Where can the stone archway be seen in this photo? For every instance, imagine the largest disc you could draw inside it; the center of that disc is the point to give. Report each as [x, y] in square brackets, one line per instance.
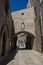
[28, 40]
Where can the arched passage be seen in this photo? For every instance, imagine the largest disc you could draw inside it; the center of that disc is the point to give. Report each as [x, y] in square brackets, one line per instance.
[25, 38]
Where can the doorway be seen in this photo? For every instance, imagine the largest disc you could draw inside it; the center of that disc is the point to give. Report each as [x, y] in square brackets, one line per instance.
[3, 44]
[28, 42]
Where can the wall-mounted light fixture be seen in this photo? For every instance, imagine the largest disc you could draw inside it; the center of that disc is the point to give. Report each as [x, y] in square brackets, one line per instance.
[22, 26]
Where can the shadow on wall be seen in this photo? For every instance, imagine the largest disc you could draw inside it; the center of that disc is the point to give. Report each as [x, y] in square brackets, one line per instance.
[12, 54]
[8, 58]
[29, 43]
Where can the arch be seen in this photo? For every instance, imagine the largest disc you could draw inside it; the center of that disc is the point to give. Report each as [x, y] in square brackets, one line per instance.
[29, 38]
[25, 32]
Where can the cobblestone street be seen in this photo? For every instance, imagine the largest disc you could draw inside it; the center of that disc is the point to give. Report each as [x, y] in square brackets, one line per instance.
[27, 57]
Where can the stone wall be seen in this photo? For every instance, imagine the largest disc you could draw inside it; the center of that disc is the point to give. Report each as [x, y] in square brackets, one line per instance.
[36, 4]
[41, 18]
[28, 19]
[36, 25]
[5, 28]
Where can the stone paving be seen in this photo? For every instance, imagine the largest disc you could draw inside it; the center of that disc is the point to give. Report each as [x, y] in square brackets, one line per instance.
[27, 57]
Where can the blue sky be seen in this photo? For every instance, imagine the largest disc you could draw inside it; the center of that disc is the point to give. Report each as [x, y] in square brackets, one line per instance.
[16, 5]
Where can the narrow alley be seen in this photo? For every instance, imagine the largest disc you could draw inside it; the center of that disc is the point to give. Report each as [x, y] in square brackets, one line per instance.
[27, 57]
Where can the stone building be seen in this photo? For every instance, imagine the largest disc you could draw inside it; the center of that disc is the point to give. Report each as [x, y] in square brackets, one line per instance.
[38, 4]
[41, 18]
[23, 23]
[28, 21]
[37, 40]
[37, 27]
[6, 29]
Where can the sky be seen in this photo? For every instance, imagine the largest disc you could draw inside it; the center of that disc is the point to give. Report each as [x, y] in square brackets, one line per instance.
[16, 5]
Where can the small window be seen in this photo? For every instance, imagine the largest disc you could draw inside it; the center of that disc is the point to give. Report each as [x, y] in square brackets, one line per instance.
[22, 13]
